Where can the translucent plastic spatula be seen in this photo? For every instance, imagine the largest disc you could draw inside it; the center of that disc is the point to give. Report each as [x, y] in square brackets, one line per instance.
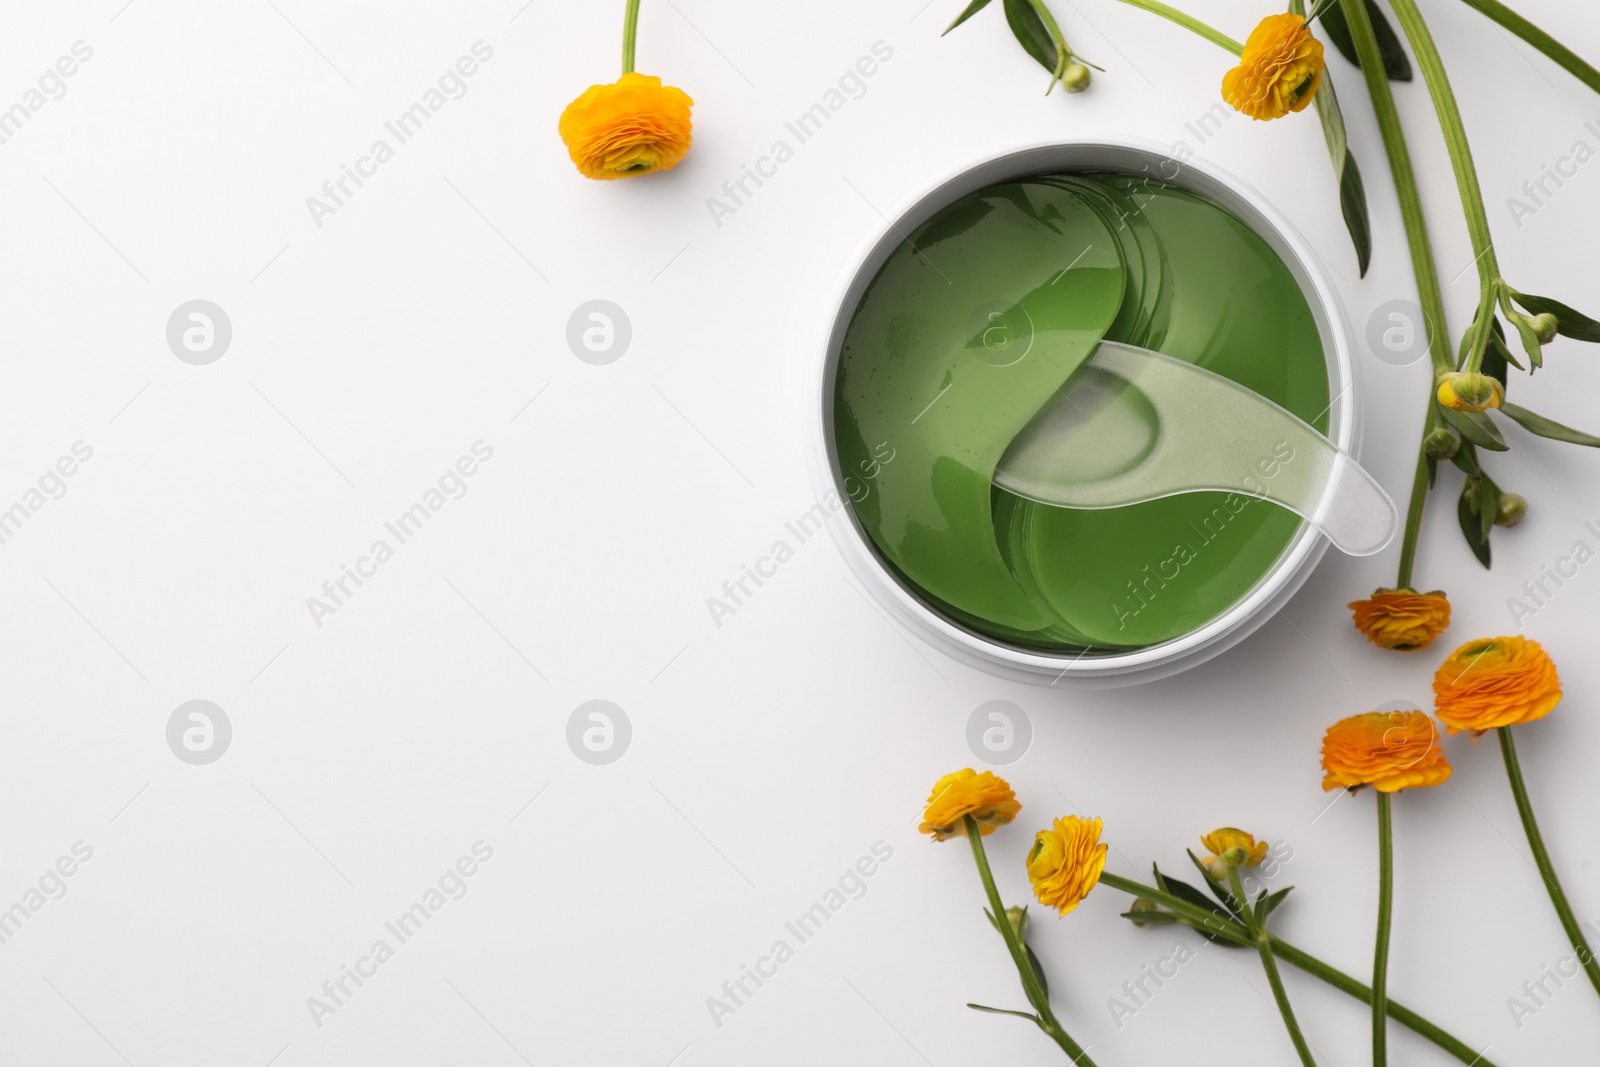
[1133, 425]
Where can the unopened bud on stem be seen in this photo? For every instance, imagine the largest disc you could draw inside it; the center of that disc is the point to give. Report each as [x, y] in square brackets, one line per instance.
[1441, 443]
[1511, 510]
[1076, 78]
[1470, 391]
[1544, 326]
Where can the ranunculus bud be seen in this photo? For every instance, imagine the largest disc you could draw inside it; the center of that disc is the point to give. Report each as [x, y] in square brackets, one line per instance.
[1513, 507]
[1233, 848]
[1544, 327]
[1018, 918]
[1470, 391]
[1141, 906]
[1075, 79]
[1441, 443]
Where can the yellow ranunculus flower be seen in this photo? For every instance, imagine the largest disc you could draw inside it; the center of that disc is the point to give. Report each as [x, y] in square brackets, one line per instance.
[988, 799]
[1402, 620]
[1065, 862]
[634, 125]
[1279, 70]
[1388, 750]
[1502, 681]
[1220, 841]
[1464, 391]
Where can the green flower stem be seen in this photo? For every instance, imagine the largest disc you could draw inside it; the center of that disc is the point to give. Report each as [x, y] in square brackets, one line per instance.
[1569, 922]
[1188, 22]
[630, 35]
[1400, 1014]
[1213, 921]
[1419, 498]
[1269, 963]
[1422, 266]
[1455, 139]
[1564, 57]
[1040, 1000]
[1380, 957]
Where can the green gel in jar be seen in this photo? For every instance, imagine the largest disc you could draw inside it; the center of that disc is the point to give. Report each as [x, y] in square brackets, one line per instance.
[971, 326]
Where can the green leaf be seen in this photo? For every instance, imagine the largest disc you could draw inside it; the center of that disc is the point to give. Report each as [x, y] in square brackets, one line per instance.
[1486, 505]
[1494, 360]
[1268, 903]
[1530, 344]
[1482, 498]
[1498, 353]
[1475, 426]
[1218, 890]
[1395, 62]
[1433, 470]
[972, 9]
[1569, 323]
[1160, 879]
[1535, 423]
[1471, 529]
[1466, 458]
[1352, 194]
[1190, 895]
[1038, 968]
[1353, 205]
[1004, 1011]
[1496, 356]
[1031, 34]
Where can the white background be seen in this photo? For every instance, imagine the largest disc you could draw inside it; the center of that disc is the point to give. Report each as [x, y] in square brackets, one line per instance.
[767, 754]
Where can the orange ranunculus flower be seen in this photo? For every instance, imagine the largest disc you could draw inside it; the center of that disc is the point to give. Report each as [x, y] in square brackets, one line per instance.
[988, 799]
[1388, 750]
[1400, 619]
[1279, 70]
[1220, 841]
[1065, 862]
[632, 126]
[1500, 681]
